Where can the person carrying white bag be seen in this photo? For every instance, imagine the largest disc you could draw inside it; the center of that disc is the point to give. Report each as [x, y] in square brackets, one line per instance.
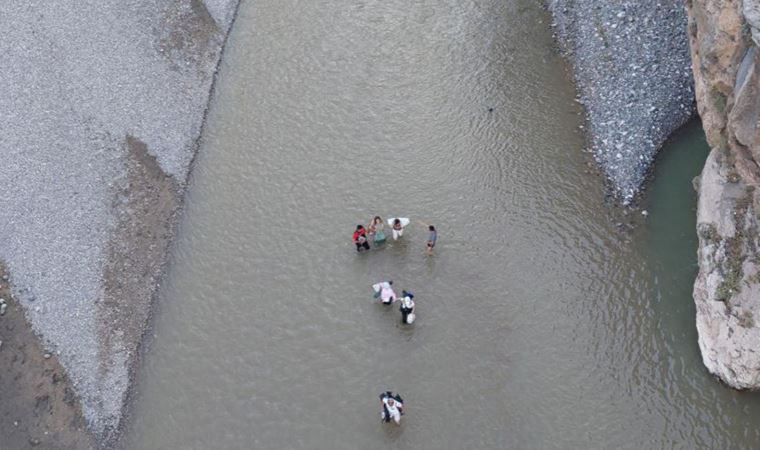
[407, 308]
[384, 291]
[397, 226]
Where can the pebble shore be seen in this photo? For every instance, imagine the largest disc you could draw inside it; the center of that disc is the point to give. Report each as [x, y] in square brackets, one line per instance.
[632, 68]
[102, 110]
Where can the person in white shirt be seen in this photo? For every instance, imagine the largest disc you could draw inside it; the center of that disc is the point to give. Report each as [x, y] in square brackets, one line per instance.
[393, 407]
[398, 229]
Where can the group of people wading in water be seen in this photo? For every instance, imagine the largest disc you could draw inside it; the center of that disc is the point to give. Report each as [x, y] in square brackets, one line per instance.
[392, 404]
[375, 232]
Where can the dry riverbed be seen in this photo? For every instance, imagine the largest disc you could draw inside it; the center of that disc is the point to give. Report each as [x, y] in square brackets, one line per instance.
[38, 406]
[96, 156]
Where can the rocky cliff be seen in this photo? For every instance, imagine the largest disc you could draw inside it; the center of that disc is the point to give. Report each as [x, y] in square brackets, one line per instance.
[724, 36]
[633, 70]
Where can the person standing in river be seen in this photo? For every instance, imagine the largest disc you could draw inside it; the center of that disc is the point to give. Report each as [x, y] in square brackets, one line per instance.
[392, 407]
[407, 308]
[398, 229]
[432, 238]
[360, 238]
[376, 233]
[384, 291]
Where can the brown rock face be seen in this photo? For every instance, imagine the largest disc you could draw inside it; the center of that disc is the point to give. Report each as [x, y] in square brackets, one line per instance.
[724, 37]
[716, 47]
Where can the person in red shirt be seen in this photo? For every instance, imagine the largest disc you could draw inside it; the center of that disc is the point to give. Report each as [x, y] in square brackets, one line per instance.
[360, 238]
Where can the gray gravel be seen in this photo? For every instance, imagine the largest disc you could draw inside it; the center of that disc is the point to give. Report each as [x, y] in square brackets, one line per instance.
[77, 77]
[632, 67]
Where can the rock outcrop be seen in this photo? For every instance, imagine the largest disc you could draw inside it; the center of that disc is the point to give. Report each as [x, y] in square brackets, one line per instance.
[630, 61]
[724, 36]
[102, 107]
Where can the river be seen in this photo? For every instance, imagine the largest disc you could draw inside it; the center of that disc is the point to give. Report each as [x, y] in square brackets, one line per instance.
[544, 319]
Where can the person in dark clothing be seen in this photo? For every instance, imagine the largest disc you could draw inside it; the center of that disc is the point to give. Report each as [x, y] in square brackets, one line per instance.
[360, 238]
[407, 308]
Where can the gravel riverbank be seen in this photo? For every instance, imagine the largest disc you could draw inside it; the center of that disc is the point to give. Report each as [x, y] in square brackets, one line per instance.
[39, 408]
[103, 106]
[632, 68]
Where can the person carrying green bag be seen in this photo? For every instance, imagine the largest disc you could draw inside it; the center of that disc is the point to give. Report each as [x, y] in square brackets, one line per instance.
[376, 232]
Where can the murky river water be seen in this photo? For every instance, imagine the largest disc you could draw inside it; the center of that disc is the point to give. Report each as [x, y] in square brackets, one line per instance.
[540, 323]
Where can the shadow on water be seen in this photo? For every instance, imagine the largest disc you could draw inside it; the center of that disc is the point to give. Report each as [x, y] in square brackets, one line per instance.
[671, 249]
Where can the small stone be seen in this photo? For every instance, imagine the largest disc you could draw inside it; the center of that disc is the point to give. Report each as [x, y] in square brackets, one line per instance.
[47, 355]
[645, 213]
[2, 308]
[34, 442]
